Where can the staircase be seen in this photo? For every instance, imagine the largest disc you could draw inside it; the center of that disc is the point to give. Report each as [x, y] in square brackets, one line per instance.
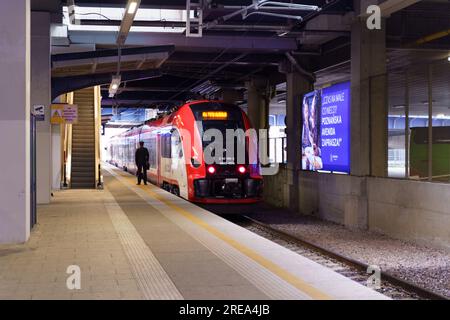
[83, 141]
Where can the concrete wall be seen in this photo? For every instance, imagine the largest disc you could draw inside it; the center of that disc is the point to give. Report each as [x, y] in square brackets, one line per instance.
[404, 209]
[40, 95]
[56, 157]
[410, 210]
[276, 189]
[15, 121]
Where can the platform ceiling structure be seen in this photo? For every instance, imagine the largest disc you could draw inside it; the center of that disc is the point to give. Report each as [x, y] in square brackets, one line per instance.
[239, 42]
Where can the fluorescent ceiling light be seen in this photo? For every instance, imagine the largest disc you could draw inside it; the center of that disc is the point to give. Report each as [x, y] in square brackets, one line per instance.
[114, 86]
[127, 21]
[132, 7]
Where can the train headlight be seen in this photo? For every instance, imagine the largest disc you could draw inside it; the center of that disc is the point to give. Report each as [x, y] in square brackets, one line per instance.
[211, 170]
[242, 169]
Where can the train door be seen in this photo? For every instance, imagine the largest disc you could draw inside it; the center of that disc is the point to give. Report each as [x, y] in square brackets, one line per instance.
[158, 159]
[178, 164]
[33, 201]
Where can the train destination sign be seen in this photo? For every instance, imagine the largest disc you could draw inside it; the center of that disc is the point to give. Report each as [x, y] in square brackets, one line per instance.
[215, 115]
[326, 129]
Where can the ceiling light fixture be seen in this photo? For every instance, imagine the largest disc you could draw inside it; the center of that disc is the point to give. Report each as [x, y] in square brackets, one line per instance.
[127, 21]
[114, 86]
[283, 33]
[132, 7]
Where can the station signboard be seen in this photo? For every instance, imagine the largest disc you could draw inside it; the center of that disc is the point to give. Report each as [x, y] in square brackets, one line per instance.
[64, 113]
[39, 112]
[325, 141]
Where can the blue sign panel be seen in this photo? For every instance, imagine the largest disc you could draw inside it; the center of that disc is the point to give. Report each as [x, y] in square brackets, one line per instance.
[326, 129]
[335, 127]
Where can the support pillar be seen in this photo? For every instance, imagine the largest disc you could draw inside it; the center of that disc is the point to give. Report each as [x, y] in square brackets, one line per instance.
[297, 85]
[369, 111]
[369, 99]
[15, 121]
[231, 95]
[258, 102]
[56, 157]
[41, 95]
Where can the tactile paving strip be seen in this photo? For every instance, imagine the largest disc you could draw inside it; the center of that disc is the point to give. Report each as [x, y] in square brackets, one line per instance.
[152, 280]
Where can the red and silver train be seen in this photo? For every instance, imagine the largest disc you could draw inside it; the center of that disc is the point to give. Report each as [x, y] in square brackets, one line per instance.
[177, 163]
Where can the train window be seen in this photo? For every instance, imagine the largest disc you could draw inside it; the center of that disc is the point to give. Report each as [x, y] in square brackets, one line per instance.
[166, 147]
[151, 143]
[177, 148]
[234, 121]
[272, 120]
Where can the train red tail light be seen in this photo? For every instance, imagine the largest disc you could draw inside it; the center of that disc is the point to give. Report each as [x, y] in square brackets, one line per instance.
[211, 170]
[242, 169]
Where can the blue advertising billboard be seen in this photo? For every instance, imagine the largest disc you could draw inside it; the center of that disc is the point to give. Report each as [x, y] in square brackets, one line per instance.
[326, 129]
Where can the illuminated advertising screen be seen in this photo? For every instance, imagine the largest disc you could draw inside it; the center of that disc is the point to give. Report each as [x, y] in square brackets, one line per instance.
[326, 129]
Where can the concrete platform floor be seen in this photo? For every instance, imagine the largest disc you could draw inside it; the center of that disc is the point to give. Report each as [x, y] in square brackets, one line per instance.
[141, 243]
[74, 229]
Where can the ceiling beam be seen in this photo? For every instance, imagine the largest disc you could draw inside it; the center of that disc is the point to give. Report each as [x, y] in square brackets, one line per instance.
[251, 43]
[391, 6]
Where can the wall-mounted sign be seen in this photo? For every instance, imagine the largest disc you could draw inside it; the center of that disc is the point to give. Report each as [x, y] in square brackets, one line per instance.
[64, 114]
[70, 113]
[56, 114]
[326, 129]
[39, 112]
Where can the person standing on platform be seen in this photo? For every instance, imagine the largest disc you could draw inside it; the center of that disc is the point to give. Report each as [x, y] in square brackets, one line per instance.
[141, 159]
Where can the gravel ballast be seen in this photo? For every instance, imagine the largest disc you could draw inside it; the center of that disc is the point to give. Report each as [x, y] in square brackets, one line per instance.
[424, 266]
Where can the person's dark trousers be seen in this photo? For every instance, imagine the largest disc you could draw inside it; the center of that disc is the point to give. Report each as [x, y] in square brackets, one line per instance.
[142, 173]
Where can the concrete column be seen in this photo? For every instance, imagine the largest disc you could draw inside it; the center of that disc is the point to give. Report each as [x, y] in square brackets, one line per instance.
[231, 95]
[15, 121]
[41, 95]
[56, 157]
[296, 85]
[258, 103]
[369, 99]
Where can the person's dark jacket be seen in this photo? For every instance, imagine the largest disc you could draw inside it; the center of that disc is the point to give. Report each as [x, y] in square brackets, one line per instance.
[141, 156]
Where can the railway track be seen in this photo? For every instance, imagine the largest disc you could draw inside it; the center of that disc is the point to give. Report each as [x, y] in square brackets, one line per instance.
[391, 286]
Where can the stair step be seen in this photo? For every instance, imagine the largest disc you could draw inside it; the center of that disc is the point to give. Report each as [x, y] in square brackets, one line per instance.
[86, 158]
[83, 179]
[83, 138]
[83, 162]
[84, 175]
[83, 168]
[75, 185]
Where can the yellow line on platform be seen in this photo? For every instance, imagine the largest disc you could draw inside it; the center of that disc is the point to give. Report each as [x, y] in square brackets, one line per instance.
[266, 263]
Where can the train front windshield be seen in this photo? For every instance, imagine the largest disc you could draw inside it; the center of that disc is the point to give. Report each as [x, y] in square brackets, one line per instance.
[220, 117]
